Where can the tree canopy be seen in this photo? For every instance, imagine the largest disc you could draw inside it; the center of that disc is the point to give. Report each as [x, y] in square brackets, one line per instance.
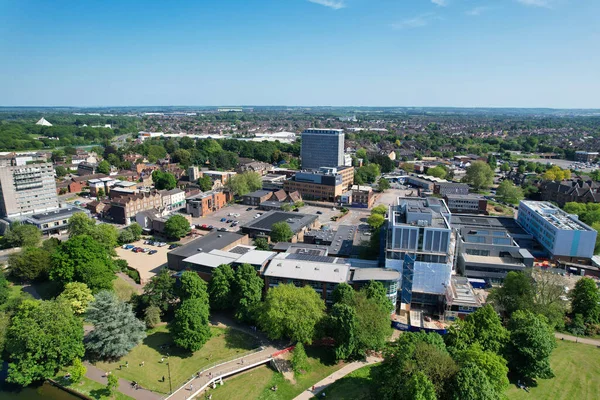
[247, 291]
[479, 175]
[292, 312]
[585, 300]
[163, 180]
[116, 329]
[177, 226]
[281, 232]
[78, 296]
[30, 264]
[509, 193]
[43, 337]
[82, 259]
[22, 235]
[220, 288]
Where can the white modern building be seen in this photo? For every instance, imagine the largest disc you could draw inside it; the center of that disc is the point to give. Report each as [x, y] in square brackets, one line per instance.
[27, 189]
[419, 230]
[561, 234]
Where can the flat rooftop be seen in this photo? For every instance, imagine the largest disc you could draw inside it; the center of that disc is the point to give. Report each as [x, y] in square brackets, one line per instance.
[462, 292]
[477, 221]
[286, 268]
[53, 215]
[555, 216]
[428, 209]
[212, 241]
[374, 274]
[295, 220]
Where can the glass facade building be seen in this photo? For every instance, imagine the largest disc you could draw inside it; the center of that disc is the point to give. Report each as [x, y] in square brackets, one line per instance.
[322, 148]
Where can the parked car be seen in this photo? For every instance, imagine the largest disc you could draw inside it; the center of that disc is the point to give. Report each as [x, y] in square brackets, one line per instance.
[229, 221]
[211, 227]
[161, 244]
[249, 209]
[153, 252]
[223, 219]
[128, 246]
[204, 226]
[173, 246]
[232, 224]
[222, 229]
[138, 250]
[319, 212]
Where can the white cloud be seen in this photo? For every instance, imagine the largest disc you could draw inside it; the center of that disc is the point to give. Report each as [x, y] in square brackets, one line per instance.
[536, 3]
[333, 4]
[416, 22]
[474, 12]
[441, 3]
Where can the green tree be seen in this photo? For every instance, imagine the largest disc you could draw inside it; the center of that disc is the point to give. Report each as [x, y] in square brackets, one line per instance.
[492, 162]
[281, 232]
[77, 370]
[516, 293]
[376, 291]
[220, 288]
[205, 183]
[164, 180]
[438, 172]
[479, 175]
[43, 337]
[4, 291]
[373, 322]
[472, 383]
[375, 221]
[191, 286]
[112, 382]
[362, 153]
[492, 364]
[60, 171]
[82, 259]
[508, 192]
[177, 226]
[248, 292]
[107, 235]
[30, 264]
[344, 327]
[585, 300]
[482, 327]
[530, 346]
[78, 296]
[380, 209]
[238, 185]
[418, 387]
[152, 316]
[103, 167]
[505, 167]
[577, 325]
[100, 194]
[300, 363]
[383, 185]
[412, 353]
[81, 224]
[160, 291]
[22, 235]
[292, 312]
[343, 293]
[116, 329]
[253, 180]
[190, 327]
[262, 244]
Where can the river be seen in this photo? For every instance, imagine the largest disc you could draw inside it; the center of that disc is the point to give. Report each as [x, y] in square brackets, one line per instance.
[41, 392]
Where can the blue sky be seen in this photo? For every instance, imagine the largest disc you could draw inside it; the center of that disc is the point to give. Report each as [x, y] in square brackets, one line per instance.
[483, 53]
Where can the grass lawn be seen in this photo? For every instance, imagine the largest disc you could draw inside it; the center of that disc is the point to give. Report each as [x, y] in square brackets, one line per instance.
[224, 344]
[577, 369]
[257, 383]
[355, 386]
[123, 289]
[575, 365]
[92, 389]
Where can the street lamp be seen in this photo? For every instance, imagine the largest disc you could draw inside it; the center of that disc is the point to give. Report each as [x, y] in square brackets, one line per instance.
[169, 369]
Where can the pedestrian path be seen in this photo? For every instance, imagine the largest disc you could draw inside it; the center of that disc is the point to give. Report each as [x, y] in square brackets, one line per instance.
[125, 387]
[214, 375]
[577, 339]
[320, 386]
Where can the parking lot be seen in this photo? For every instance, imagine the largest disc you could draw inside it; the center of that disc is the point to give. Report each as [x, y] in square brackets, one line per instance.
[214, 219]
[146, 264]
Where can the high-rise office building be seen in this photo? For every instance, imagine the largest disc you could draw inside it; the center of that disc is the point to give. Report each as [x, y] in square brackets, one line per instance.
[322, 148]
[27, 189]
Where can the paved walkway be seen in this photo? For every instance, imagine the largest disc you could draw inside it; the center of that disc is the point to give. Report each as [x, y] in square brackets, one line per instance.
[197, 385]
[583, 340]
[96, 374]
[340, 373]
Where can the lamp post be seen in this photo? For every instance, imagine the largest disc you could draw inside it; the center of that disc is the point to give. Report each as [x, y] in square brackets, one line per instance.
[169, 369]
